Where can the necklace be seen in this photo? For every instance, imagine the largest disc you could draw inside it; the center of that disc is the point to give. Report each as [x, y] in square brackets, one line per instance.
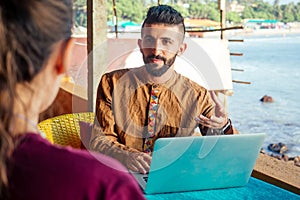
[31, 123]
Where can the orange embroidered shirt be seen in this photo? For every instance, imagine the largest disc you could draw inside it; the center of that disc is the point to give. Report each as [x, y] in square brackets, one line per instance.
[122, 110]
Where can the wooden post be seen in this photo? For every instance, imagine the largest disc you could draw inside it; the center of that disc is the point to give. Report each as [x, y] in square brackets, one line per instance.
[115, 20]
[96, 36]
[222, 8]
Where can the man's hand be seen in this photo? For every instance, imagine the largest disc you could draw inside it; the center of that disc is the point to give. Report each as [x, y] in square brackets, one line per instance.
[219, 119]
[139, 162]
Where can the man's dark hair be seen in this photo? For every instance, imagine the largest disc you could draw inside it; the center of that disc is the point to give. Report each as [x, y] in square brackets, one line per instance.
[164, 14]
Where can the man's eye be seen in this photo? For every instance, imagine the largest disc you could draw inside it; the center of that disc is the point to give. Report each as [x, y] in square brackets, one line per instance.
[166, 42]
[148, 40]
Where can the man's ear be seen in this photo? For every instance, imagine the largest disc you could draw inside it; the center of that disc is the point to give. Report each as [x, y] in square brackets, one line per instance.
[182, 49]
[63, 59]
[140, 45]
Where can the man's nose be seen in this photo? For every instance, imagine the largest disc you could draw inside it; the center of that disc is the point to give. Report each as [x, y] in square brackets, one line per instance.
[156, 47]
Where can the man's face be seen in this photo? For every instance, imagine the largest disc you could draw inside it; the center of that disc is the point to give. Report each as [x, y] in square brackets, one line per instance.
[160, 44]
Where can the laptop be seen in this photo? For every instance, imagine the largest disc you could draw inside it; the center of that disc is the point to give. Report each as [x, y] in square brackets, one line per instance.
[200, 163]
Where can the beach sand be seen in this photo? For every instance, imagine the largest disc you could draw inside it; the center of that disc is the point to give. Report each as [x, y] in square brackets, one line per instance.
[281, 173]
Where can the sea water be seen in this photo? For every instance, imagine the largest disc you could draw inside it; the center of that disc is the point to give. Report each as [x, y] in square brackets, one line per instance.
[272, 65]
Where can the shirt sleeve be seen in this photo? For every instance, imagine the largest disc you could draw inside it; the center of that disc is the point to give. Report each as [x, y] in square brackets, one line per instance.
[104, 138]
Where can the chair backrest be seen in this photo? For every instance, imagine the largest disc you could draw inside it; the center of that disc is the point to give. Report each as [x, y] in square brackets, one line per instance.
[64, 129]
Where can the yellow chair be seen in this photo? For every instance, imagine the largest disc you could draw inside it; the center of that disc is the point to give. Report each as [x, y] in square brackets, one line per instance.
[64, 129]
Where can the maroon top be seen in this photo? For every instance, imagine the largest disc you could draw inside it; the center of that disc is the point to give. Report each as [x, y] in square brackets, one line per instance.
[41, 170]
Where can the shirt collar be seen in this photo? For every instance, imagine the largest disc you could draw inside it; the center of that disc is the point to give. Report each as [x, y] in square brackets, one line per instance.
[139, 73]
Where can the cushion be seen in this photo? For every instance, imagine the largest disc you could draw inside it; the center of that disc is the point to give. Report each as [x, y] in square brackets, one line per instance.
[85, 134]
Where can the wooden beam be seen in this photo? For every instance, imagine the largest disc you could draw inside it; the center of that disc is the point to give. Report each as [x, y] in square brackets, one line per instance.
[236, 54]
[235, 40]
[243, 82]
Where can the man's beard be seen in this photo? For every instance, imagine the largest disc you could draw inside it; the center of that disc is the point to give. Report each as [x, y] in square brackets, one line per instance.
[151, 67]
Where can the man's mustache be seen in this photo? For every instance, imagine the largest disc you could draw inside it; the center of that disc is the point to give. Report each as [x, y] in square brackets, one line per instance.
[157, 57]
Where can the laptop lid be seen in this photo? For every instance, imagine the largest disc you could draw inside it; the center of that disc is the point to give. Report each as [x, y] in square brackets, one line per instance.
[198, 163]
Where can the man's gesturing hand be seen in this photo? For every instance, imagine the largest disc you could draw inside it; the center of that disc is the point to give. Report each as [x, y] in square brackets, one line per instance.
[219, 119]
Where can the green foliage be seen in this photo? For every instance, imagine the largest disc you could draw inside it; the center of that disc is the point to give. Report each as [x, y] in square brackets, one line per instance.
[213, 13]
[127, 10]
[248, 13]
[288, 14]
[233, 17]
[184, 12]
[80, 12]
[135, 10]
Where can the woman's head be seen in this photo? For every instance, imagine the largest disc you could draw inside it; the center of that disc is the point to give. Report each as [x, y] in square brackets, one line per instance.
[30, 31]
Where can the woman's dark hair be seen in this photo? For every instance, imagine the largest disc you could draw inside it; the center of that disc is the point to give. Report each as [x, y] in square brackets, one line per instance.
[164, 14]
[28, 31]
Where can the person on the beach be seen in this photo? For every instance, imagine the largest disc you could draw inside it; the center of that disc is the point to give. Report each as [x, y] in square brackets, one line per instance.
[136, 106]
[35, 45]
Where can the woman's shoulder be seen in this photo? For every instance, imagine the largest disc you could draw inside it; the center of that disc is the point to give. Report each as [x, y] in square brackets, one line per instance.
[40, 148]
[91, 173]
